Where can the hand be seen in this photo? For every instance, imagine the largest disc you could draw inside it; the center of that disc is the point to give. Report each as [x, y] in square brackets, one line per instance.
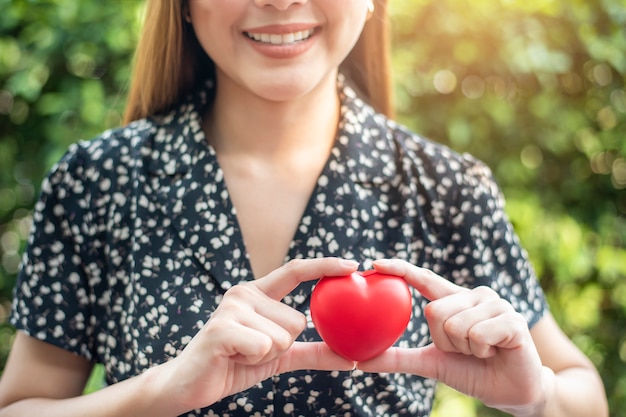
[481, 346]
[250, 337]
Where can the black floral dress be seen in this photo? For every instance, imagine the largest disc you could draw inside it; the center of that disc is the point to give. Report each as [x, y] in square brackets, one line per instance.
[135, 240]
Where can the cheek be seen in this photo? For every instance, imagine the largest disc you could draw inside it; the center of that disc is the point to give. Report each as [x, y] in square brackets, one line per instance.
[347, 32]
[213, 19]
[353, 12]
[348, 15]
[208, 29]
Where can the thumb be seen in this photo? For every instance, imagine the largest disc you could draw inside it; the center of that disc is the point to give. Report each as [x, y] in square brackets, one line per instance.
[424, 361]
[314, 356]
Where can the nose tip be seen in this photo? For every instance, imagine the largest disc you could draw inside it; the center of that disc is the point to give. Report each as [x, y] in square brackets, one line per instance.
[278, 4]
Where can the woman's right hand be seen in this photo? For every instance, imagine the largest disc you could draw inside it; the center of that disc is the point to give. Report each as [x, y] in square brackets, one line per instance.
[249, 338]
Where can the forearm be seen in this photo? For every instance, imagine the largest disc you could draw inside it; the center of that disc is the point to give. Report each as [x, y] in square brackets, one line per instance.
[143, 395]
[573, 392]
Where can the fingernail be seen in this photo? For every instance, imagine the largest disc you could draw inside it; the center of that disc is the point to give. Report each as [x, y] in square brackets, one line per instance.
[382, 262]
[349, 263]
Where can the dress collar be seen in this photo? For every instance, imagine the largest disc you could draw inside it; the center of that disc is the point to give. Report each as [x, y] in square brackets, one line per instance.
[363, 143]
[187, 183]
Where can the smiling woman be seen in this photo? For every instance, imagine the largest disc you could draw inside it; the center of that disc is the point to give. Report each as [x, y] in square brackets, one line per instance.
[162, 80]
[181, 250]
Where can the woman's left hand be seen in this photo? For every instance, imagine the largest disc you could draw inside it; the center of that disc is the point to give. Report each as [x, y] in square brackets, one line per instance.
[481, 346]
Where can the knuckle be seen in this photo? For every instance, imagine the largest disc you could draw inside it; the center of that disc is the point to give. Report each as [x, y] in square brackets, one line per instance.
[444, 344]
[300, 322]
[476, 334]
[235, 291]
[501, 305]
[243, 290]
[236, 301]
[218, 325]
[263, 346]
[283, 341]
[519, 320]
[454, 326]
[486, 292]
[293, 265]
[431, 311]
[296, 324]
[506, 306]
[430, 273]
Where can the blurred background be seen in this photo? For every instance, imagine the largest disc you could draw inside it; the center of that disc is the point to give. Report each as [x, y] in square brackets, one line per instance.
[535, 88]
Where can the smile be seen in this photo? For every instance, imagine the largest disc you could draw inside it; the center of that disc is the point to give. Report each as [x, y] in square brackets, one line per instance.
[281, 39]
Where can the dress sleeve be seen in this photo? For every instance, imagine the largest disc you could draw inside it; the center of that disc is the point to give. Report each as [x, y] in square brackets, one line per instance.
[52, 298]
[484, 248]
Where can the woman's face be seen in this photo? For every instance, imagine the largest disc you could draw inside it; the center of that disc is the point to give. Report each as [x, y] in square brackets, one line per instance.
[277, 49]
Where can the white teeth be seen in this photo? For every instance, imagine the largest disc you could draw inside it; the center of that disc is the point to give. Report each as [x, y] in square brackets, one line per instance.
[284, 39]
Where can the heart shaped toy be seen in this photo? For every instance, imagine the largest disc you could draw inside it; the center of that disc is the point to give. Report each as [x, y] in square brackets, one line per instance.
[361, 315]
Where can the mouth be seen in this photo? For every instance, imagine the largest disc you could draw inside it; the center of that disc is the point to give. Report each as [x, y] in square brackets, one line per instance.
[281, 39]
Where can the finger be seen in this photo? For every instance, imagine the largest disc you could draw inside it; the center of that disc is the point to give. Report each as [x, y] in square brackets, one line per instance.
[314, 356]
[243, 304]
[459, 330]
[250, 345]
[475, 328]
[292, 321]
[280, 337]
[504, 331]
[241, 343]
[283, 280]
[428, 283]
[451, 318]
[426, 361]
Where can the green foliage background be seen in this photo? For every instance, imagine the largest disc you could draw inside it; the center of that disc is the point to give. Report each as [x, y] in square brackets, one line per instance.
[535, 88]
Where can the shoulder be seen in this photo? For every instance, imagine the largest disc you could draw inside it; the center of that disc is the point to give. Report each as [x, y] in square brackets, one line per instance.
[145, 143]
[427, 168]
[434, 164]
[438, 159]
[413, 150]
[111, 153]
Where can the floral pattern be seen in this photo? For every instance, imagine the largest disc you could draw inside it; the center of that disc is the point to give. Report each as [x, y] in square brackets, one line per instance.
[135, 240]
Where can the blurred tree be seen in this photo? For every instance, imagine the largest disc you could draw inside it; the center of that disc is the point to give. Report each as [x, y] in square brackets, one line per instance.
[536, 90]
[63, 68]
[533, 88]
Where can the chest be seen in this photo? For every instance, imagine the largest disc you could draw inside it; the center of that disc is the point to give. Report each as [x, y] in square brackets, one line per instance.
[185, 238]
[268, 205]
[183, 242]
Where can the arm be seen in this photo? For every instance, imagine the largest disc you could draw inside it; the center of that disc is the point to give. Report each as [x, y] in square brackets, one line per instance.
[484, 349]
[249, 338]
[42, 379]
[577, 387]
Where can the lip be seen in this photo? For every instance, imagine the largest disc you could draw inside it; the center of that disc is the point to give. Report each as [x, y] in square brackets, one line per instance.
[281, 29]
[282, 51]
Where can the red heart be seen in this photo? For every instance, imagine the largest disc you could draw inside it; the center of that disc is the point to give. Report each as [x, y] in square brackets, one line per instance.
[361, 315]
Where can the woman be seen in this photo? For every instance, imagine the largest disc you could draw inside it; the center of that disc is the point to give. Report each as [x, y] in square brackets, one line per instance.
[160, 249]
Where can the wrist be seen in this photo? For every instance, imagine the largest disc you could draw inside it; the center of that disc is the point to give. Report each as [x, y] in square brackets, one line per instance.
[155, 386]
[542, 405]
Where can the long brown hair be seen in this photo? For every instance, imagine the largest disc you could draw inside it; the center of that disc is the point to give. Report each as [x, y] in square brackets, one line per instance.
[169, 61]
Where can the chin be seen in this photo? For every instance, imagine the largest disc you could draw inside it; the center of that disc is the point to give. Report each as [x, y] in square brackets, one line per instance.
[283, 93]
[296, 88]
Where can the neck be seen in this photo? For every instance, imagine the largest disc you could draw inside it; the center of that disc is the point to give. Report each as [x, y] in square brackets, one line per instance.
[247, 125]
